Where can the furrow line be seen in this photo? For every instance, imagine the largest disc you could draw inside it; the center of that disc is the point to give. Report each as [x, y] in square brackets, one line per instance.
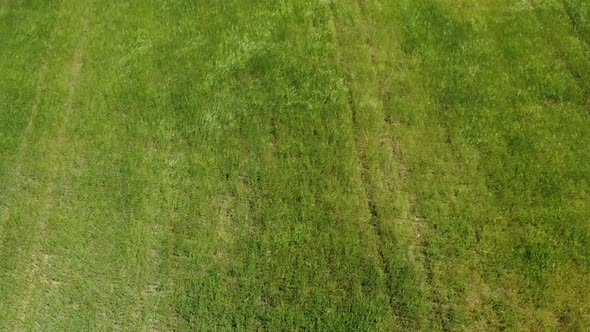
[40, 261]
[371, 205]
[23, 146]
[570, 15]
[580, 81]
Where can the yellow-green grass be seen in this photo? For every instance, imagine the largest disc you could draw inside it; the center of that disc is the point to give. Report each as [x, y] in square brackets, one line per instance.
[294, 165]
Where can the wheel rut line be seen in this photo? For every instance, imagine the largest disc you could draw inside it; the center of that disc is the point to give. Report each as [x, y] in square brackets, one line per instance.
[151, 294]
[273, 131]
[161, 315]
[419, 223]
[423, 242]
[368, 193]
[147, 293]
[39, 259]
[3, 5]
[580, 81]
[568, 11]
[23, 146]
[25, 140]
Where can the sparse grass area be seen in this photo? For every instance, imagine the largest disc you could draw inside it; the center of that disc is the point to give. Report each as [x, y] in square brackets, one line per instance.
[295, 165]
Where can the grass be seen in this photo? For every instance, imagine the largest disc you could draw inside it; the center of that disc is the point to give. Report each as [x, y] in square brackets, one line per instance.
[298, 165]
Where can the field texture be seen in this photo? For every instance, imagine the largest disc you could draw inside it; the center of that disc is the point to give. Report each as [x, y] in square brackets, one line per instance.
[324, 165]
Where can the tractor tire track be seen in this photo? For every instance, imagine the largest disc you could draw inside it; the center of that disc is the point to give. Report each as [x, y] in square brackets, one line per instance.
[574, 25]
[364, 169]
[26, 137]
[15, 176]
[3, 6]
[420, 227]
[579, 78]
[39, 259]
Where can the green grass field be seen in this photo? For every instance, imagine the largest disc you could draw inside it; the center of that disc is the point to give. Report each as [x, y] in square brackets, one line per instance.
[323, 165]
